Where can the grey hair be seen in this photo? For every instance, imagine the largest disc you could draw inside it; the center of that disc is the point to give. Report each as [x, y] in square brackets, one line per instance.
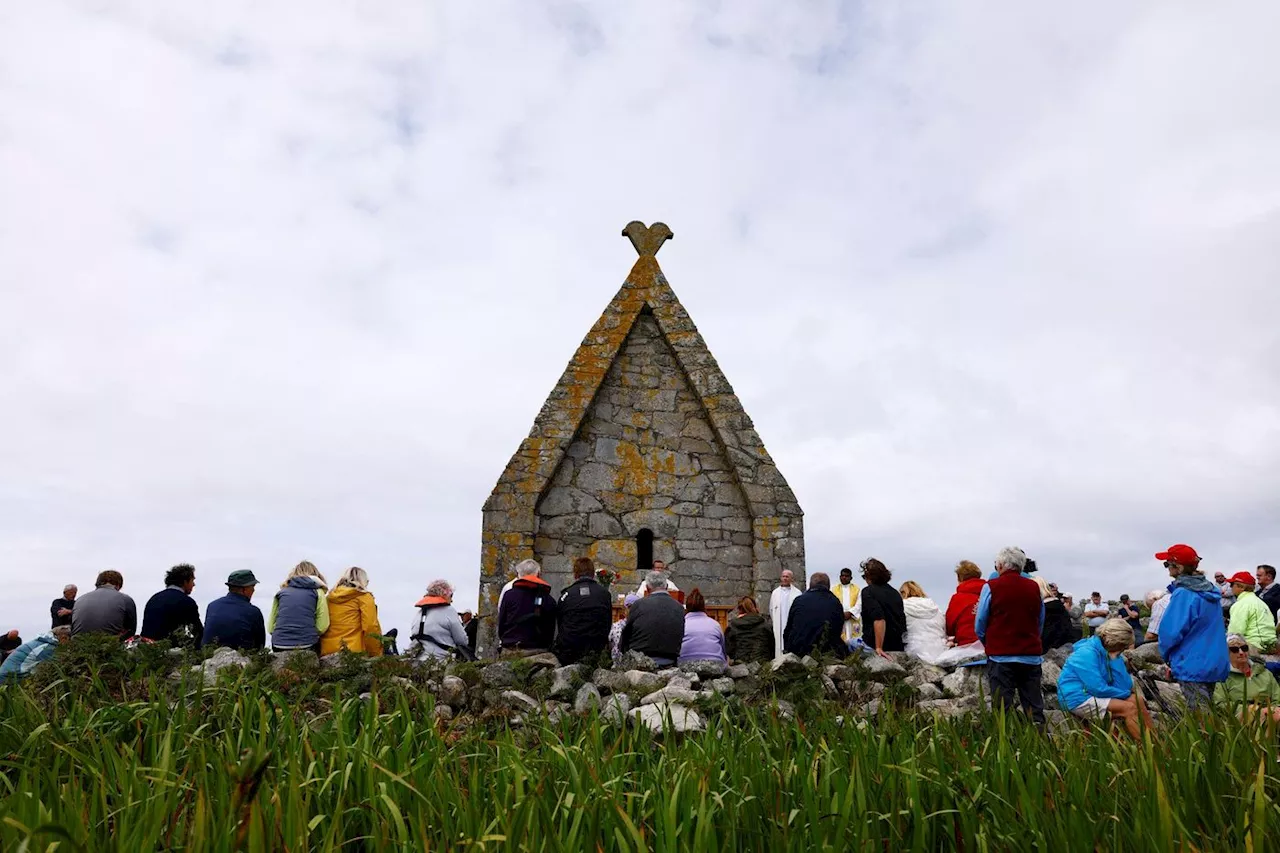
[656, 581]
[1116, 634]
[71, 586]
[1239, 640]
[440, 588]
[524, 568]
[1155, 595]
[819, 580]
[1012, 557]
[62, 632]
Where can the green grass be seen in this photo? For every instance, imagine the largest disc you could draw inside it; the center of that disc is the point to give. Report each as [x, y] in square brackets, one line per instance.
[259, 764]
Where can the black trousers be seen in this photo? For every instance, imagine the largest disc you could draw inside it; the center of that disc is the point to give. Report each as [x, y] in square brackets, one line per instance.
[1017, 684]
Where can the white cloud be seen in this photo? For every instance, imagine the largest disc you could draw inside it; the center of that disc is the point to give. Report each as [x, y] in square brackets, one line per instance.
[278, 284]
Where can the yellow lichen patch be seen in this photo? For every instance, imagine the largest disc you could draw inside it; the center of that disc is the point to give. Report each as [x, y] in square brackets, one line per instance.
[767, 528]
[634, 476]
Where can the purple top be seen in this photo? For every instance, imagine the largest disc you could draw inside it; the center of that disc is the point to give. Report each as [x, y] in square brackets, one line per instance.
[703, 639]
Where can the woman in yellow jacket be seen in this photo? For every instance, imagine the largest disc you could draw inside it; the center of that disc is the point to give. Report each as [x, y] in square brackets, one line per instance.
[353, 616]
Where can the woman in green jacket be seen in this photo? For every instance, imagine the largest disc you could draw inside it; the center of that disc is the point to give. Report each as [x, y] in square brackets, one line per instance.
[1251, 689]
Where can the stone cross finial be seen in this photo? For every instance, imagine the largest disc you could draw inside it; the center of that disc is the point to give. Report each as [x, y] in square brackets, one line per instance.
[647, 240]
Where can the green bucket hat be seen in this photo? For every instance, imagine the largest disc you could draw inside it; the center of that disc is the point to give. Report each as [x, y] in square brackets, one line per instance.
[244, 577]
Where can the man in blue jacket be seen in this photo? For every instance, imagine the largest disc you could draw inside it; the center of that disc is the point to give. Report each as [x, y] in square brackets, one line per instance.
[1192, 637]
[232, 621]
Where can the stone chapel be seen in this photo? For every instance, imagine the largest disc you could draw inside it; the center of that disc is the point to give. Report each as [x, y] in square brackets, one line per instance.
[642, 452]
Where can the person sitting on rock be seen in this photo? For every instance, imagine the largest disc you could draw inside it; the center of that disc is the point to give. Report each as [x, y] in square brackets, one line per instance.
[1095, 684]
[703, 637]
[1250, 691]
[299, 610]
[583, 616]
[105, 610]
[439, 632]
[816, 621]
[655, 623]
[963, 606]
[23, 660]
[353, 617]
[748, 637]
[615, 630]
[172, 614]
[527, 614]
[232, 621]
[884, 622]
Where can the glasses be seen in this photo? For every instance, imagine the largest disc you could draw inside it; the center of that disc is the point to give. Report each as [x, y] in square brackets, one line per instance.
[1169, 564]
[1235, 650]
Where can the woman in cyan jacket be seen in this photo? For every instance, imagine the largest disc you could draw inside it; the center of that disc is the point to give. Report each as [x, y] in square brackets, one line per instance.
[1096, 684]
[353, 617]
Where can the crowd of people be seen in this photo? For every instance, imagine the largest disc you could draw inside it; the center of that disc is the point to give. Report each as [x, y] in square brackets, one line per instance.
[1210, 633]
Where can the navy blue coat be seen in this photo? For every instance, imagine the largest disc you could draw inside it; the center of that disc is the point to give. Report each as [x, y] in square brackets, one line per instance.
[233, 622]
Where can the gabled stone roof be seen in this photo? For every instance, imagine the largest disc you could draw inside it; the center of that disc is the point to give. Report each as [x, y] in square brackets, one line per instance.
[510, 511]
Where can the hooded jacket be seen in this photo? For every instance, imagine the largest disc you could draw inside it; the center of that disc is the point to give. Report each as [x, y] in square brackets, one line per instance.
[527, 615]
[1090, 672]
[353, 623]
[1193, 639]
[748, 638]
[962, 609]
[1252, 619]
[299, 614]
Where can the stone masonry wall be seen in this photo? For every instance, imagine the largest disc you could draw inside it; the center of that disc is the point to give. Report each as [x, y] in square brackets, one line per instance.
[646, 457]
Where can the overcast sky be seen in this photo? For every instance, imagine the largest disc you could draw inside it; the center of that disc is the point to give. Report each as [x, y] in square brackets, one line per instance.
[286, 281]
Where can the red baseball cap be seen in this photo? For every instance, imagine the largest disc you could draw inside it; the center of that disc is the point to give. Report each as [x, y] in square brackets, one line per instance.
[1184, 555]
[1242, 578]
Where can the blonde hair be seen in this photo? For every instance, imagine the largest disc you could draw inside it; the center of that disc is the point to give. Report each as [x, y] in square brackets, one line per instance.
[967, 571]
[911, 589]
[305, 569]
[354, 577]
[1116, 634]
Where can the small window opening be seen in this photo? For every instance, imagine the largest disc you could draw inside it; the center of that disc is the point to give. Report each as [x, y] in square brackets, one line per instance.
[644, 551]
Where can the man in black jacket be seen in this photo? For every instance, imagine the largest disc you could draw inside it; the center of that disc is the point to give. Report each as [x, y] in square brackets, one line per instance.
[655, 623]
[816, 620]
[1268, 590]
[60, 610]
[583, 616]
[172, 614]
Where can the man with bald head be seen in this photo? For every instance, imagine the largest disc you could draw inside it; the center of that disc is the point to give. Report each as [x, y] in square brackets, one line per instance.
[780, 608]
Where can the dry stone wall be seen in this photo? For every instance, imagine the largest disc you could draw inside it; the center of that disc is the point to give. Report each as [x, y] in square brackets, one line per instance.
[647, 458]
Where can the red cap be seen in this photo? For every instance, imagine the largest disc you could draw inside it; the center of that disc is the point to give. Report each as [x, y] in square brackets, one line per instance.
[1183, 555]
[1242, 578]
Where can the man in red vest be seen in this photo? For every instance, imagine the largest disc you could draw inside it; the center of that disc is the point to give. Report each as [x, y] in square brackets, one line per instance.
[1010, 616]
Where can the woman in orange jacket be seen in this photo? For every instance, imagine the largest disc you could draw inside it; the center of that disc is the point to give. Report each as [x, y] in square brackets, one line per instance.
[353, 616]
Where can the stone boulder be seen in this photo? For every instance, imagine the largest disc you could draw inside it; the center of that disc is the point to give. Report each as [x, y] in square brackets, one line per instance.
[661, 719]
[614, 709]
[878, 669]
[788, 664]
[608, 680]
[925, 673]
[945, 707]
[443, 713]
[566, 680]
[722, 685]
[1058, 655]
[646, 682]
[739, 670]
[518, 701]
[1147, 654]
[545, 660]
[222, 659]
[296, 658]
[1049, 674]
[499, 675]
[588, 697]
[634, 660]
[670, 695]
[965, 681]
[929, 690]
[452, 692]
[839, 672]
[707, 669]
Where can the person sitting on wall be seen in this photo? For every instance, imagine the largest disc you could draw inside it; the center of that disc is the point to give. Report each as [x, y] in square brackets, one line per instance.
[23, 660]
[583, 615]
[816, 621]
[748, 637]
[703, 637]
[655, 623]
[527, 613]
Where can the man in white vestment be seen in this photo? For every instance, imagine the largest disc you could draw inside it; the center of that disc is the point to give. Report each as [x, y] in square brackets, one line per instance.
[780, 608]
[658, 566]
[847, 592]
